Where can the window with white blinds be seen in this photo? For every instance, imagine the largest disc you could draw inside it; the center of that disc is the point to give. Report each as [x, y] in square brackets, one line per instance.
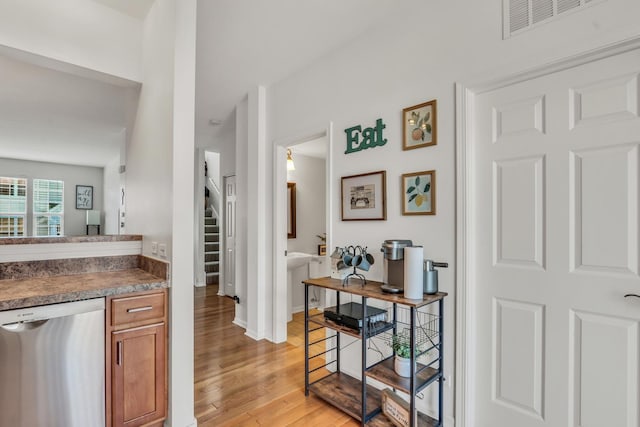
[13, 207]
[519, 15]
[48, 207]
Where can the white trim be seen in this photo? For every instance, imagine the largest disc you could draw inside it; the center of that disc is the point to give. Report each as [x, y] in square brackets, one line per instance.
[463, 381]
[241, 323]
[44, 251]
[465, 93]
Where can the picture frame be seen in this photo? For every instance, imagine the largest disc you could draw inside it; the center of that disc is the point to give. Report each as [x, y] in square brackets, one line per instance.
[84, 197]
[291, 210]
[363, 196]
[420, 125]
[419, 193]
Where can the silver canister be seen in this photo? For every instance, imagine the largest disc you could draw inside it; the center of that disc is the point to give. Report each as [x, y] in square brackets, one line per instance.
[430, 277]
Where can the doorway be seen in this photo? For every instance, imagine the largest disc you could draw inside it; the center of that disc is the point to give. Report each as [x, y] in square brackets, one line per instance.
[557, 156]
[313, 154]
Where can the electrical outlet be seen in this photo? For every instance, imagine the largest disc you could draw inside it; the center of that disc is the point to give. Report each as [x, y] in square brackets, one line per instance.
[154, 247]
[162, 250]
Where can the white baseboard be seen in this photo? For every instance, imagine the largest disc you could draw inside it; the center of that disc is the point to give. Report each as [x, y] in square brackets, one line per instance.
[241, 323]
[193, 423]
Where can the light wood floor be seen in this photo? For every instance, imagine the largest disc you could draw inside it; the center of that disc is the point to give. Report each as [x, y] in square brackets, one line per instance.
[242, 382]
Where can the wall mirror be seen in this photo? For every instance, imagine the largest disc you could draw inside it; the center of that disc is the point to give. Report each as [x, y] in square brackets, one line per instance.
[291, 210]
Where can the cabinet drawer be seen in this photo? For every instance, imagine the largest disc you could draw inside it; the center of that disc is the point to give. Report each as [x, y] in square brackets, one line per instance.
[137, 309]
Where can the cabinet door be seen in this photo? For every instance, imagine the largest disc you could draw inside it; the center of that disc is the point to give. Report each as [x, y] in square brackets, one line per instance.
[138, 375]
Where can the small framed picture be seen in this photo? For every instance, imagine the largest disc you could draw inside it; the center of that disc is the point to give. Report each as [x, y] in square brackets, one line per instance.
[419, 193]
[364, 196]
[419, 126]
[84, 197]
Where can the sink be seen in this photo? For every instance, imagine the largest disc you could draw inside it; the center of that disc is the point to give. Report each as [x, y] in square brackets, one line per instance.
[297, 259]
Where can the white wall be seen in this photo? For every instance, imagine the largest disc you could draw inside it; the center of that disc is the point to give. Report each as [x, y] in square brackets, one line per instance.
[79, 32]
[149, 181]
[309, 177]
[213, 163]
[181, 374]
[160, 171]
[411, 58]
[74, 219]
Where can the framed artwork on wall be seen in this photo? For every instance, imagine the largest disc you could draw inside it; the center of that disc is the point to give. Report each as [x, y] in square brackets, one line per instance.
[419, 126]
[84, 197]
[419, 193]
[363, 197]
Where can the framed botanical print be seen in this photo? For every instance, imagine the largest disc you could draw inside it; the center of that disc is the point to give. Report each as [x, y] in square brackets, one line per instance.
[419, 126]
[419, 193]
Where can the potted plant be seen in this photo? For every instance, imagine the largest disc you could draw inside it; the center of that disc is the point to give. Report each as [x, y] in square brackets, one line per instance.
[402, 362]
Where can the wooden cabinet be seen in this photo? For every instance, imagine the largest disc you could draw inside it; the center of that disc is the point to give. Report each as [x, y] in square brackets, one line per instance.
[423, 327]
[137, 359]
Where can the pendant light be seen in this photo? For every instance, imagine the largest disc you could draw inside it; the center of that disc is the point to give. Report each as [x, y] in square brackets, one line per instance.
[290, 165]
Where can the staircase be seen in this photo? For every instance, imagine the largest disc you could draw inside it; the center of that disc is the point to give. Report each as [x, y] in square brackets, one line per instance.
[211, 248]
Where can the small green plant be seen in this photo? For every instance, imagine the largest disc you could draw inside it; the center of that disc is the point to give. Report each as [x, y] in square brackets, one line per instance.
[400, 344]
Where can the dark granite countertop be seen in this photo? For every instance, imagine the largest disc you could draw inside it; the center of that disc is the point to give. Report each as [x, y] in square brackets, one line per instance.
[32, 283]
[34, 291]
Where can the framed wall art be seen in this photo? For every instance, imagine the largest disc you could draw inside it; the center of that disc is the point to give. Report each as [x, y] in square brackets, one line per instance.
[84, 197]
[419, 193]
[364, 196]
[419, 126]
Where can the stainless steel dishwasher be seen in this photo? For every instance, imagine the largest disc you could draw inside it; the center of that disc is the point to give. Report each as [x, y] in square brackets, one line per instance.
[52, 365]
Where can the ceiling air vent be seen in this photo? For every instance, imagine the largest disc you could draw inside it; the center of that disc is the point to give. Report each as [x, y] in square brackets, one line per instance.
[520, 15]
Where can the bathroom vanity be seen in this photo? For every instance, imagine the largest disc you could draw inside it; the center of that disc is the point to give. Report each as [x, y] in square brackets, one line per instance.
[55, 272]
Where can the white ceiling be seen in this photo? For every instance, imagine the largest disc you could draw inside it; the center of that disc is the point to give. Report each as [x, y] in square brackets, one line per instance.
[245, 43]
[315, 148]
[136, 8]
[51, 115]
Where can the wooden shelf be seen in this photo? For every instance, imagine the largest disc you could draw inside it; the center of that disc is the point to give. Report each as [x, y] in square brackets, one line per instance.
[372, 290]
[345, 393]
[381, 420]
[319, 319]
[384, 372]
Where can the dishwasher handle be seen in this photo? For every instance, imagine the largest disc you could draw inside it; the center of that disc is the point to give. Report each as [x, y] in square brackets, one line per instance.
[18, 327]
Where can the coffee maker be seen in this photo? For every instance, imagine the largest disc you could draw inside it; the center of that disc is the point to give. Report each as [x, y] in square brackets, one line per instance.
[393, 275]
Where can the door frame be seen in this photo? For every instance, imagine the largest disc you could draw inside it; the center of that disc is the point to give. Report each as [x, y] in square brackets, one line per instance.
[280, 223]
[465, 93]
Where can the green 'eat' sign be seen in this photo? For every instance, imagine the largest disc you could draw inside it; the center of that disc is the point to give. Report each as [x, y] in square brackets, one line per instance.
[359, 139]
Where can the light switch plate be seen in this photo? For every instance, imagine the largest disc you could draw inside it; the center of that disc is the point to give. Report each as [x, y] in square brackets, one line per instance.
[154, 247]
[162, 250]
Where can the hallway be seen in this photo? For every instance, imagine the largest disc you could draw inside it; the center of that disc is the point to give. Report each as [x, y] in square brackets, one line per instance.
[242, 382]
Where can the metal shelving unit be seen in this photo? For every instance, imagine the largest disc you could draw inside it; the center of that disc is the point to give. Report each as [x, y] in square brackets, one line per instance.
[356, 397]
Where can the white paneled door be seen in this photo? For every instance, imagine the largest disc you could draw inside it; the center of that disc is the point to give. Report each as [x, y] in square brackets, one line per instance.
[555, 189]
[230, 236]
